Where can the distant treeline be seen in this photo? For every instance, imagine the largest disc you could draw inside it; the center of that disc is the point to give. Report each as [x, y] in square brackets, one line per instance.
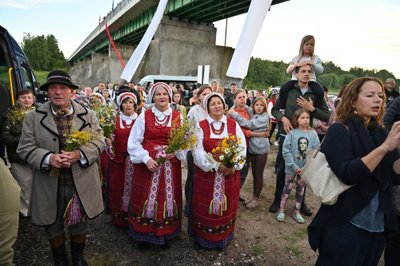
[43, 52]
[264, 73]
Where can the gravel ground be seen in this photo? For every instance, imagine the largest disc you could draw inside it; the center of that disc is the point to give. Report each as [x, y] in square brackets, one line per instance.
[259, 239]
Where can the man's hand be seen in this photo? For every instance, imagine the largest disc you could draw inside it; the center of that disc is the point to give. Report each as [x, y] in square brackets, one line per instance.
[287, 126]
[64, 159]
[57, 160]
[70, 157]
[306, 104]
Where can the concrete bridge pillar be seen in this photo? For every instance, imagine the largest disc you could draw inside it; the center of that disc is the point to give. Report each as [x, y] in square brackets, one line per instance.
[177, 48]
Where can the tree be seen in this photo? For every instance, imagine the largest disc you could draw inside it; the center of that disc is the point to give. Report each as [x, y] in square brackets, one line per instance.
[264, 73]
[43, 52]
[57, 59]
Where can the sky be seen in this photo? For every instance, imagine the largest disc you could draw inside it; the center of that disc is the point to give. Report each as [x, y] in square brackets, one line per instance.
[350, 33]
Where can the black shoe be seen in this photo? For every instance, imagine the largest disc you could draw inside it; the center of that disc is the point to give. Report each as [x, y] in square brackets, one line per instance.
[305, 210]
[166, 245]
[197, 245]
[274, 207]
[60, 256]
[77, 254]
[219, 249]
[241, 199]
[143, 245]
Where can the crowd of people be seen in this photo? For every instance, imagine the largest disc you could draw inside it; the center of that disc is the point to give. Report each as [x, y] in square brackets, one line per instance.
[71, 167]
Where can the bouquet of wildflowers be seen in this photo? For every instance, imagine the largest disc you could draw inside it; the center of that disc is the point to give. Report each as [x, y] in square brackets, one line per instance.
[228, 152]
[75, 140]
[181, 137]
[78, 138]
[15, 119]
[106, 116]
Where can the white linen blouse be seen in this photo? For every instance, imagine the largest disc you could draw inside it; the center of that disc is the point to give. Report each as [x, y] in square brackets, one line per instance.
[135, 148]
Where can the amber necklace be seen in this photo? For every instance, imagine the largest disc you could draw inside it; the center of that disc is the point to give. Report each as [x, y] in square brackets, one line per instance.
[217, 131]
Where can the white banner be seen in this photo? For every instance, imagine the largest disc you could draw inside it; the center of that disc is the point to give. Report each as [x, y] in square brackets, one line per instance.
[254, 20]
[140, 50]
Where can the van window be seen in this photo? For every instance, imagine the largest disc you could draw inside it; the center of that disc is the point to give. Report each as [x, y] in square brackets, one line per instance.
[27, 81]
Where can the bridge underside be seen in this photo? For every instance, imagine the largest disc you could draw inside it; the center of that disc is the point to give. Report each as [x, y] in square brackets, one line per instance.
[129, 20]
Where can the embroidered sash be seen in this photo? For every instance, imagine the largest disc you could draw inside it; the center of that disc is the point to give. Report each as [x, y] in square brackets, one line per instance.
[126, 196]
[219, 202]
[150, 206]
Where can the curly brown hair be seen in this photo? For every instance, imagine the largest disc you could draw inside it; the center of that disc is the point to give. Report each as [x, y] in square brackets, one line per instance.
[345, 108]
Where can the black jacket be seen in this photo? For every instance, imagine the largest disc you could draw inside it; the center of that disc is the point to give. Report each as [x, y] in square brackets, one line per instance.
[344, 149]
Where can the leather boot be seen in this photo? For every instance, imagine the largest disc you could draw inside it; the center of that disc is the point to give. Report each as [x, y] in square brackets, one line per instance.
[57, 245]
[77, 247]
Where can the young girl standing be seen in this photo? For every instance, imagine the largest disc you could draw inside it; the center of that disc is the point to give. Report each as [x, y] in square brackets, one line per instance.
[258, 146]
[294, 148]
[306, 56]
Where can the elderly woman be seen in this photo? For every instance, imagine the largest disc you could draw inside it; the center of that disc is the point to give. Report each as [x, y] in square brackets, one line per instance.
[120, 167]
[11, 133]
[156, 202]
[362, 154]
[213, 227]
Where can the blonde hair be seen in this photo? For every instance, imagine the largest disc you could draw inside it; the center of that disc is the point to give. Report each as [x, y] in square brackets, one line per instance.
[345, 108]
[263, 101]
[303, 41]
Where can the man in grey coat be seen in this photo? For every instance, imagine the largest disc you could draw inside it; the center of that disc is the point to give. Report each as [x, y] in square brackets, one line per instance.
[64, 181]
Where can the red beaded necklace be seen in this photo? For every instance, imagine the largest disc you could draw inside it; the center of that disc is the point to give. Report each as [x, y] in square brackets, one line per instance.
[161, 123]
[219, 131]
[126, 125]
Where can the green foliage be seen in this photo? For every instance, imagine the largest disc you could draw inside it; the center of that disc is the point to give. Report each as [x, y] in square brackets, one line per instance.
[331, 80]
[264, 73]
[43, 52]
[41, 76]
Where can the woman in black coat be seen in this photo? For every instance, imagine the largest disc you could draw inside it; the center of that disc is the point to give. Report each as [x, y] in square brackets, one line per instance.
[362, 154]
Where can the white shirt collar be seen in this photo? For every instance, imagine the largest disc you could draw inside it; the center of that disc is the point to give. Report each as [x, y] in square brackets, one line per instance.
[158, 113]
[211, 120]
[128, 118]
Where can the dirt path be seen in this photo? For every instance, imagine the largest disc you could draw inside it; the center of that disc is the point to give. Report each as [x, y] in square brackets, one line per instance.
[259, 239]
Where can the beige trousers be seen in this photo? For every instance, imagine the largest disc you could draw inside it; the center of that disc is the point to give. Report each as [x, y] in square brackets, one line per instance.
[9, 214]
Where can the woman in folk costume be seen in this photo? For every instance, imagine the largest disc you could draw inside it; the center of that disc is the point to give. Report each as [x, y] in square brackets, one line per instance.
[156, 201]
[10, 133]
[211, 226]
[120, 167]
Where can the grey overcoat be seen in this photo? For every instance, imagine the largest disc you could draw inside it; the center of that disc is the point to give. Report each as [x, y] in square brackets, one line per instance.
[39, 138]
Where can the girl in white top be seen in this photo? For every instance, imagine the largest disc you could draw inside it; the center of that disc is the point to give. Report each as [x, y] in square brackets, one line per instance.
[306, 56]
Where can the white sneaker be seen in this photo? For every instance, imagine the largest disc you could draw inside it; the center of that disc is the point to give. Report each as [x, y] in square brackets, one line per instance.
[276, 143]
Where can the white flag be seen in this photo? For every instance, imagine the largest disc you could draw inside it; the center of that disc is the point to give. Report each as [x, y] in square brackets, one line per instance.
[241, 57]
[140, 50]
